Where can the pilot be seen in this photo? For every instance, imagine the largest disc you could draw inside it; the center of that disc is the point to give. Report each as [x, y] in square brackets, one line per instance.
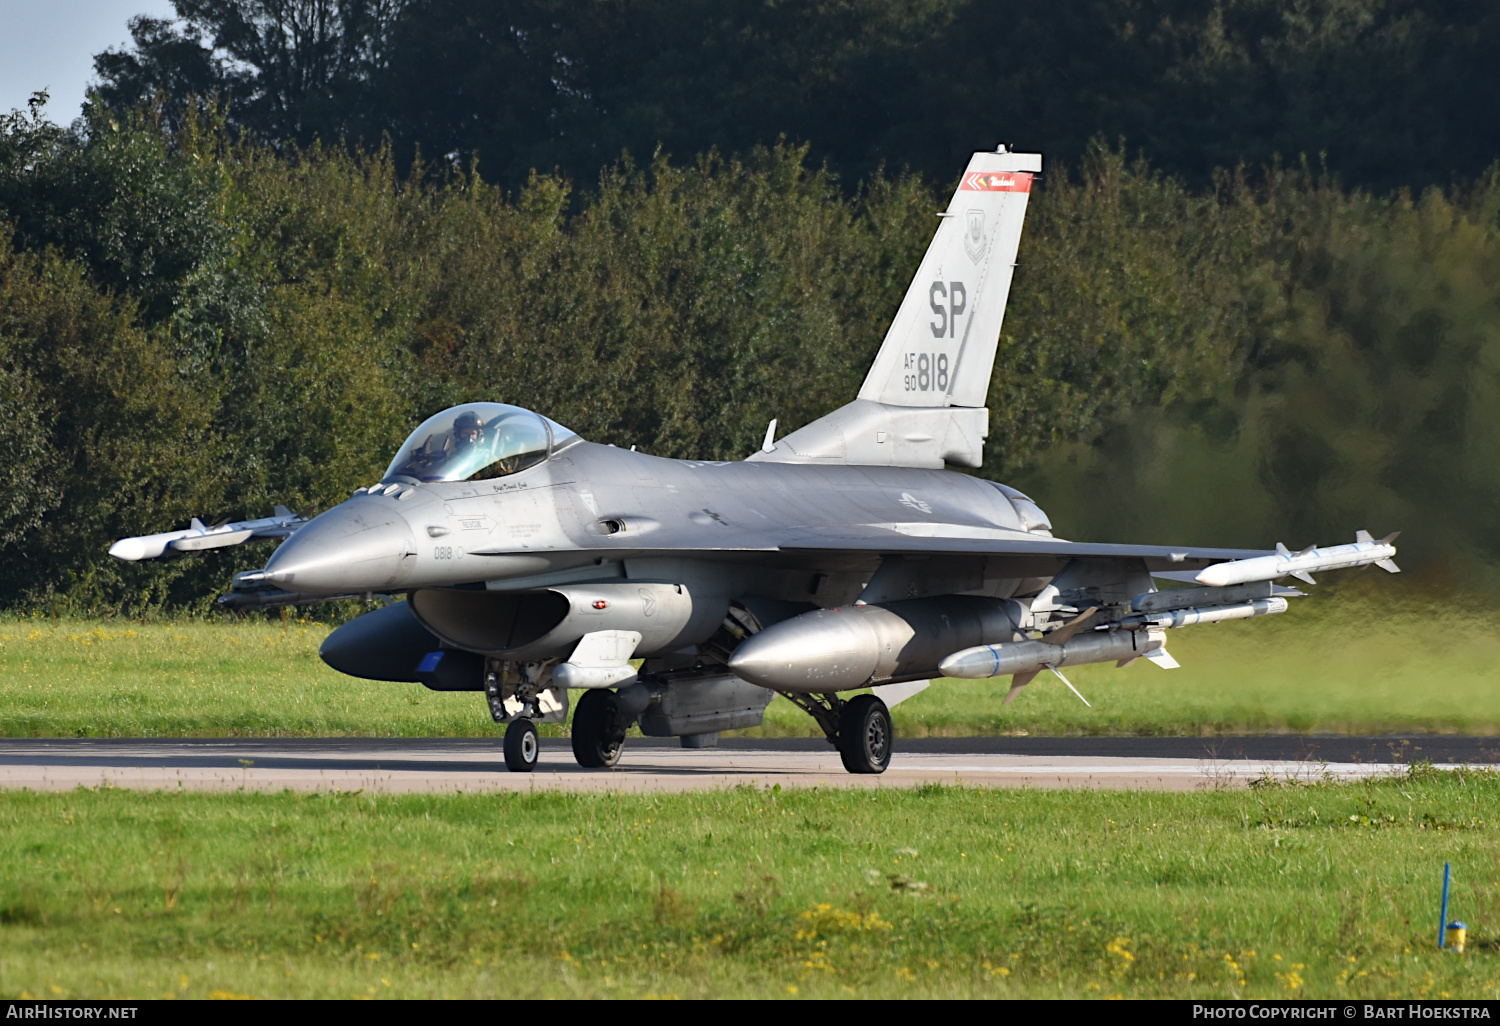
[468, 431]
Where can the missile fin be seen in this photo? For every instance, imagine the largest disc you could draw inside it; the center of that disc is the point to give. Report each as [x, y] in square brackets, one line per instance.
[1161, 657]
[1283, 551]
[1310, 548]
[1122, 663]
[1390, 537]
[1065, 633]
[1018, 682]
[1304, 576]
[281, 511]
[197, 525]
[1058, 674]
[1363, 536]
[1389, 566]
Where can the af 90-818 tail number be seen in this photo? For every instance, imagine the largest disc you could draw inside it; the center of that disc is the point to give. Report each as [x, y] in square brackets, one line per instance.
[926, 372]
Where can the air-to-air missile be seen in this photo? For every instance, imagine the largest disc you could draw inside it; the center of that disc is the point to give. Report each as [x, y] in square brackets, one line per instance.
[1302, 565]
[198, 538]
[1031, 656]
[1135, 634]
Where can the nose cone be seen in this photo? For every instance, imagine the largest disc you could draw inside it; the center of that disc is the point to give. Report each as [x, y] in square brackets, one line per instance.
[828, 650]
[358, 546]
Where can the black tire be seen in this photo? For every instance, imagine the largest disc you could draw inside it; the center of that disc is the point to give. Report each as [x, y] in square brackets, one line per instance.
[522, 748]
[865, 735]
[597, 736]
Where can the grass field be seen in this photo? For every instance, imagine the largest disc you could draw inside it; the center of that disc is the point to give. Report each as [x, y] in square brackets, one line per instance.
[1292, 890]
[1331, 664]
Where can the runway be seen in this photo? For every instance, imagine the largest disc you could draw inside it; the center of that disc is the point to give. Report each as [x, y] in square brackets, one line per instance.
[404, 765]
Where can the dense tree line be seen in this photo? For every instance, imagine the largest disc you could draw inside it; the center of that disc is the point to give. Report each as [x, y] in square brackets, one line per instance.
[1392, 92]
[196, 322]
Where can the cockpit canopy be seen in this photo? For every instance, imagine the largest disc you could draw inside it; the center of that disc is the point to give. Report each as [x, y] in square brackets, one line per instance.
[476, 441]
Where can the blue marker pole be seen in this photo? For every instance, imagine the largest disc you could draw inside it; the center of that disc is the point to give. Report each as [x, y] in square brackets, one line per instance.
[1443, 916]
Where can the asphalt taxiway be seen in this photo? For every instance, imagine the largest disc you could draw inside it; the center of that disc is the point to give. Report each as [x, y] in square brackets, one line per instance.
[400, 765]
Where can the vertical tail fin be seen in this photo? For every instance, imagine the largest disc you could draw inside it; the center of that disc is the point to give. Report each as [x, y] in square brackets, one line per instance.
[940, 349]
[922, 404]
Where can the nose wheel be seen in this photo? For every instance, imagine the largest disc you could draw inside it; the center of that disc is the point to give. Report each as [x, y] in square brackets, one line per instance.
[522, 747]
[865, 735]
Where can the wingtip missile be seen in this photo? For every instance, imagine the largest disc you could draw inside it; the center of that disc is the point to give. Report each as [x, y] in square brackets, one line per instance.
[199, 537]
[1284, 563]
[146, 546]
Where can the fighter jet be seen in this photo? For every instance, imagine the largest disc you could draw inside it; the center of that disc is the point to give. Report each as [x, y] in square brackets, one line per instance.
[526, 563]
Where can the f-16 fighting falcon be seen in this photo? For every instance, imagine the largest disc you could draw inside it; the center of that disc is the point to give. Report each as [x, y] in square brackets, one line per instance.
[681, 595]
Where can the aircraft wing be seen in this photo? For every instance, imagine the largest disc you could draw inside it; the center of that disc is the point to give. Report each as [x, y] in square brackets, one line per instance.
[828, 546]
[939, 539]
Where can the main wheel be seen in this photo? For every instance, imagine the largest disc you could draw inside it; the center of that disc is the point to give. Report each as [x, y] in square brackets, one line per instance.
[865, 735]
[521, 746]
[597, 737]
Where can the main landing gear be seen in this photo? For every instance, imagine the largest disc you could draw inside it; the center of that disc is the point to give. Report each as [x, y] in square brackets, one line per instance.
[865, 735]
[860, 728]
[597, 734]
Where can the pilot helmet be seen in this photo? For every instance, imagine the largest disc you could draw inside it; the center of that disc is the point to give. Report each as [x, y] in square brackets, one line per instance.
[466, 422]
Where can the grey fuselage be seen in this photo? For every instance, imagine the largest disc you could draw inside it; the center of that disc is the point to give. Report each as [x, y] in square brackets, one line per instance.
[594, 513]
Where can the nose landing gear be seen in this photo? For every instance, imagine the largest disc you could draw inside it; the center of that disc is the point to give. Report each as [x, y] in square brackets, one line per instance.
[521, 746]
[521, 697]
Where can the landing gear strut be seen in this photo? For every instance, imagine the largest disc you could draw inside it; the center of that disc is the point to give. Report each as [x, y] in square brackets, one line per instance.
[520, 697]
